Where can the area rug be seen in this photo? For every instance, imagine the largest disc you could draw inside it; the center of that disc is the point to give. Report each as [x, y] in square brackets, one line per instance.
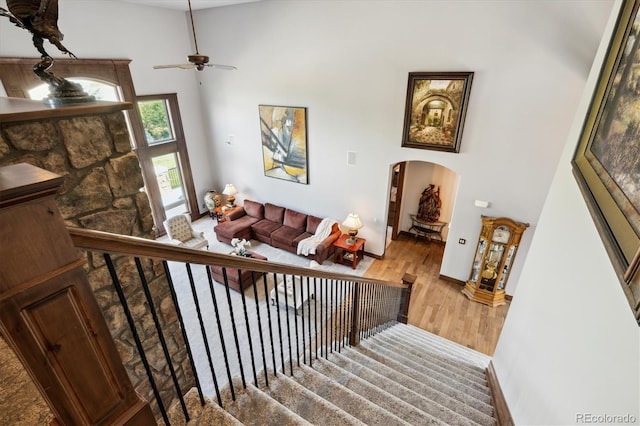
[243, 316]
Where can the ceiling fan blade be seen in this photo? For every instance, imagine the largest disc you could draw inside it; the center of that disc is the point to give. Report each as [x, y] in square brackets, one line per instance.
[196, 60]
[183, 66]
[221, 67]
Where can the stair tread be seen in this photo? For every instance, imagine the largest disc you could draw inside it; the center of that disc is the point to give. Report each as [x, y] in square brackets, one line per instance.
[363, 408]
[405, 403]
[397, 362]
[254, 407]
[432, 352]
[420, 395]
[213, 414]
[427, 384]
[307, 404]
[469, 355]
[426, 366]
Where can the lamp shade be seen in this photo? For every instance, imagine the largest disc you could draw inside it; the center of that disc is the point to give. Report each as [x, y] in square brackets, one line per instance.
[229, 189]
[352, 221]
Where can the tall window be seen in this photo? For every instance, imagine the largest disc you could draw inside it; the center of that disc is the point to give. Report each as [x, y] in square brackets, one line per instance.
[163, 159]
[164, 151]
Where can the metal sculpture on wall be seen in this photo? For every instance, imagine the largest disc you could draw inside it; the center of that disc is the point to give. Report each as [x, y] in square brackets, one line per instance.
[40, 18]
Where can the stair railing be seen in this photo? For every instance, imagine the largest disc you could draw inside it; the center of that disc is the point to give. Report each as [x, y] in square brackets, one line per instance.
[258, 333]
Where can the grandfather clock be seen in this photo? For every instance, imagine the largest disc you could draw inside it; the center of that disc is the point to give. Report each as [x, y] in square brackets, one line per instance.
[496, 250]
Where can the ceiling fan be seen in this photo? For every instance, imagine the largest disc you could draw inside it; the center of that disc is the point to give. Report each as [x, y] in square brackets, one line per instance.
[196, 60]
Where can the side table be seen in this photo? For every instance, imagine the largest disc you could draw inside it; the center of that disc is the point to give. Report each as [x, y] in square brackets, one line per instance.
[222, 215]
[349, 254]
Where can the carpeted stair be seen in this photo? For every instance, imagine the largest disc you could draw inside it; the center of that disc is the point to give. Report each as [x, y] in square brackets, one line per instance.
[401, 376]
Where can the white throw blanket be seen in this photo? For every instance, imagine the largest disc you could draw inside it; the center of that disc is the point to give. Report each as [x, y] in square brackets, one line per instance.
[308, 245]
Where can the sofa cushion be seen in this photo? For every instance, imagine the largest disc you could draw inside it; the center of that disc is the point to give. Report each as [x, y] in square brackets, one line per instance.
[274, 213]
[295, 220]
[235, 228]
[301, 237]
[265, 227]
[312, 224]
[286, 235]
[254, 209]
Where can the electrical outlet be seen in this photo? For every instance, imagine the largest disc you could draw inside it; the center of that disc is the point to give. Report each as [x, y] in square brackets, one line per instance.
[462, 241]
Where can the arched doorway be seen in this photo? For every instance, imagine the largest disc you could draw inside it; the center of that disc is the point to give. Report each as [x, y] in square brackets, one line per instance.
[407, 181]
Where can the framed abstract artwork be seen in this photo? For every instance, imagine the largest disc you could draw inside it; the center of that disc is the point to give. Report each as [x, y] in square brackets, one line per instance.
[606, 163]
[283, 132]
[435, 110]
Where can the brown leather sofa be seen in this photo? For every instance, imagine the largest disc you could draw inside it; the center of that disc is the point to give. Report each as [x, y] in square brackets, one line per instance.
[277, 226]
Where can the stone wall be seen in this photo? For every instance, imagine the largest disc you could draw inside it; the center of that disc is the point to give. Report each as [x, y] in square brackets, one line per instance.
[102, 191]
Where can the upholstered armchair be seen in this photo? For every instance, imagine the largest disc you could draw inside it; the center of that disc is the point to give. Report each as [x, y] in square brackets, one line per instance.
[181, 233]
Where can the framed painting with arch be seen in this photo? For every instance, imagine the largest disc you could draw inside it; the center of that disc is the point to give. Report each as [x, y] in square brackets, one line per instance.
[606, 163]
[435, 110]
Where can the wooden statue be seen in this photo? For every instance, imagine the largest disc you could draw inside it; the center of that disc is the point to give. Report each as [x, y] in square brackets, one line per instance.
[430, 203]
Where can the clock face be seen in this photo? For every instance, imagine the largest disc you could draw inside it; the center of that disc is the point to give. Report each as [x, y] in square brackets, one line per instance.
[501, 235]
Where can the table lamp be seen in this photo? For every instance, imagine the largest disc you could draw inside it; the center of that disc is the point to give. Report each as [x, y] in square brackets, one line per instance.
[230, 191]
[352, 223]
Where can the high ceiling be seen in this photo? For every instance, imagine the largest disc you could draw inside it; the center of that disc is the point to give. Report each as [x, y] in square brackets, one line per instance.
[183, 4]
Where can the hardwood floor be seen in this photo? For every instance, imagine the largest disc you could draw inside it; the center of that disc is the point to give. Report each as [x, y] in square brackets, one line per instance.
[438, 305]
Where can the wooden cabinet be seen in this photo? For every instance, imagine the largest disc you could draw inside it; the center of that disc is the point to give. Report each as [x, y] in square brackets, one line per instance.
[48, 313]
[496, 250]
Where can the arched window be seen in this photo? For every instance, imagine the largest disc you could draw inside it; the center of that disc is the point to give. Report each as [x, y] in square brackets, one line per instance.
[101, 90]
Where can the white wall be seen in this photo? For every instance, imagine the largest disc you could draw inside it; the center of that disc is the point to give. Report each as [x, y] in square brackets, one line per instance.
[348, 63]
[570, 344]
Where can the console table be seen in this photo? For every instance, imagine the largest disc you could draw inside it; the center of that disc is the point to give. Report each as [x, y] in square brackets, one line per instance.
[429, 230]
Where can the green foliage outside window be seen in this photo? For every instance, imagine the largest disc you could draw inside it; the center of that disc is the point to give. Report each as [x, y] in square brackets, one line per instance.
[155, 121]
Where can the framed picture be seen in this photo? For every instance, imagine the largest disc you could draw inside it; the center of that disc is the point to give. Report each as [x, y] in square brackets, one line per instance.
[284, 142]
[435, 110]
[607, 160]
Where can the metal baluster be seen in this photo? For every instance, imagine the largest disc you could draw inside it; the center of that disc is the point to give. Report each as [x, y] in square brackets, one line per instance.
[248, 327]
[309, 322]
[255, 296]
[174, 297]
[266, 292]
[221, 333]
[163, 342]
[134, 333]
[339, 319]
[275, 281]
[315, 313]
[286, 304]
[233, 327]
[203, 330]
[295, 320]
[302, 299]
[334, 314]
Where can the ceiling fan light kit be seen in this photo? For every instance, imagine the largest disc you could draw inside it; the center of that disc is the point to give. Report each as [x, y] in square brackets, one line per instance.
[196, 60]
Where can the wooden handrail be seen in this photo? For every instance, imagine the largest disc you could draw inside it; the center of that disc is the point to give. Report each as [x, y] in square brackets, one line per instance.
[141, 247]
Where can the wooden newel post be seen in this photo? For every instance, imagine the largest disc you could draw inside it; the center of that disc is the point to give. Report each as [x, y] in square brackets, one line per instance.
[405, 298]
[354, 336]
[48, 313]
